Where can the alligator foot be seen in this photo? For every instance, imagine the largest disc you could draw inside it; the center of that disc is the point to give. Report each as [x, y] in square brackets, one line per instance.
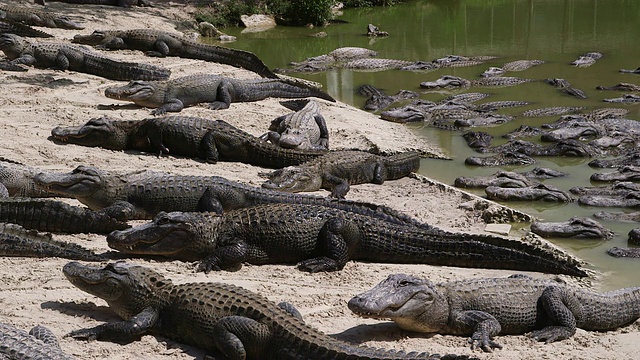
[551, 333]
[318, 264]
[481, 340]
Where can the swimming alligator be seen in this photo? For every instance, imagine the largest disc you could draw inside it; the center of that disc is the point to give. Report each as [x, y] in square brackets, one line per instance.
[485, 307]
[215, 90]
[624, 173]
[501, 159]
[38, 343]
[210, 140]
[620, 87]
[566, 87]
[162, 43]
[216, 317]
[575, 227]
[378, 100]
[624, 252]
[12, 27]
[535, 192]
[122, 3]
[553, 111]
[587, 59]
[452, 82]
[337, 170]
[304, 129]
[64, 56]
[321, 238]
[505, 179]
[618, 216]
[626, 98]
[477, 139]
[17, 178]
[18, 241]
[518, 65]
[34, 17]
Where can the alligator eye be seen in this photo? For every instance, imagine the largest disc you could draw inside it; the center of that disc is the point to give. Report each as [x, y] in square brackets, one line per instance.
[404, 283]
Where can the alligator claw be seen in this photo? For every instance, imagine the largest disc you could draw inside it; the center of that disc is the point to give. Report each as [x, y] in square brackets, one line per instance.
[317, 265]
[207, 266]
[482, 341]
[83, 334]
[158, 111]
[546, 335]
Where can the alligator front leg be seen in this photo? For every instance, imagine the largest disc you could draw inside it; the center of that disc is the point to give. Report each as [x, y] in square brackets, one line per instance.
[239, 338]
[174, 105]
[484, 325]
[122, 211]
[324, 132]
[227, 257]
[128, 330]
[339, 187]
[560, 307]
[338, 239]
[25, 59]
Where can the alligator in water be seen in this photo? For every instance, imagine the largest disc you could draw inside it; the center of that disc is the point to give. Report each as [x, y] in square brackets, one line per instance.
[17, 178]
[575, 227]
[615, 189]
[484, 120]
[566, 87]
[64, 56]
[535, 192]
[477, 139]
[621, 87]
[518, 65]
[18, 241]
[330, 60]
[12, 27]
[211, 140]
[216, 317]
[624, 252]
[378, 100]
[501, 159]
[618, 216]
[624, 173]
[38, 343]
[632, 71]
[485, 307]
[626, 98]
[587, 59]
[122, 3]
[418, 110]
[337, 170]
[504, 179]
[632, 158]
[162, 43]
[570, 147]
[523, 131]
[215, 90]
[304, 129]
[553, 111]
[454, 82]
[321, 238]
[33, 17]
[628, 200]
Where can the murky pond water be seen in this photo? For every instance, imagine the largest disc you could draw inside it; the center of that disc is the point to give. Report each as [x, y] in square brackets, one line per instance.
[554, 31]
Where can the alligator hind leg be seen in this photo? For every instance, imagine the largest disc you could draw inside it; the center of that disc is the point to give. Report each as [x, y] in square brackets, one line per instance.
[240, 338]
[208, 147]
[337, 240]
[560, 307]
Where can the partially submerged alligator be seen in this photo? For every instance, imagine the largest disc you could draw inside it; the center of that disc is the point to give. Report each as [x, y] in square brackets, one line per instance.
[621, 87]
[215, 90]
[64, 56]
[518, 65]
[504, 179]
[33, 17]
[615, 189]
[587, 59]
[553, 111]
[210, 140]
[485, 307]
[38, 343]
[336, 170]
[216, 317]
[322, 238]
[575, 227]
[18, 241]
[624, 173]
[12, 27]
[162, 43]
[626, 98]
[378, 100]
[566, 87]
[452, 82]
[534, 192]
[632, 158]
[501, 159]
[624, 252]
[305, 129]
[628, 200]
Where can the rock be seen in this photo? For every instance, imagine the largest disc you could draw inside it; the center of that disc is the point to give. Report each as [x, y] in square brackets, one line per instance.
[209, 30]
[257, 22]
[502, 229]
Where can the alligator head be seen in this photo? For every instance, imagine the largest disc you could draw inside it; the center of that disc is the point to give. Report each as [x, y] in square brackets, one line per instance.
[446, 81]
[126, 287]
[624, 173]
[64, 22]
[574, 130]
[493, 71]
[583, 61]
[632, 158]
[620, 87]
[414, 304]
[416, 111]
[136, 91]
[95, 38]
[293, 179]
[292, 138]
[626, 98]
[578, 227]
[103, 131]
[83, 181]
[12, 45]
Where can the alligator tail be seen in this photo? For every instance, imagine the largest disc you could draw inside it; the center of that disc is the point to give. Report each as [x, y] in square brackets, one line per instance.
[119, 70]
[281, 88]
[8, 26]
[238, 58]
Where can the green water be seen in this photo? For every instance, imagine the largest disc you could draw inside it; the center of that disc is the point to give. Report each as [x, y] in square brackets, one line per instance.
[554, 31]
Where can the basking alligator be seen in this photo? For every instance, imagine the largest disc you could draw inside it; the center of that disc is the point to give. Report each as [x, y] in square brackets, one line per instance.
[38, 343]
[123, 3]
[216, 317]
[217, 91]
[65, 56]
[17, 178]
[162, 43]
[535, 192]
[33, 17]
[378, 100]
[12, 27]
[17, 241]
[336, 170]
[575, 227]
[56, 216]
[211, 140]
[483, 308]
[321, 238]
[305, 129]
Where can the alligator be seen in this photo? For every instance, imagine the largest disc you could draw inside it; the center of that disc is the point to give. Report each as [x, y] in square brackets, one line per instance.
[453, 82]
[620, 87]
[501, 159]
[374, 31]
[569, 147]
[493, 71]
[4, 192]
[378, 100]
[320, 238]
[624, 173]
[122, 3]
[477, 139]
[337, 170]
[576, 129]
[626, 98]
[211, 140]
[523, 131]
[575, 227]
[18, 241]
[12, 27]
[304, 129]
[628, 200]
[505, 179]
[553, 111]
[461, 61]
[535, 192]
[38, 343]
[631, 158]
[418, 110]
[161, 43]
[632, 71]
[549, 309]
[33, 17]
[542, 173]
[606, 113]
[587, 59]
[375, 64]
[126, 196]
[634, 236]
[466, 98]
[566, 87]
[215, 90]
[64, 56]
[484, 120]
[17, 178]
[617, 142]
[618, 216]
[217, 317]
[501, 104]
[518, 65]
[624, 252]
[55, 216]
[615, 189]
[339, 55]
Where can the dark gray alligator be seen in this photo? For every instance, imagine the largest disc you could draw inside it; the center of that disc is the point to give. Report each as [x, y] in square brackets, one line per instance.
[64, 56]
[38, 343]
[634, 236]
[569, 147]
[12, 27]
[477, 139]
[626, 98]
[615, 189]
[630, 71]
[624, 173]
[501, 159]
[336, 170]
[624, 252]
[321, 238]
[418, 110]
[620, 87]
[618, 216]
[488, 119]
[453, 82]
[55, 216]
[632, 158]
[378, 100]
[566, 87]
[505, 179]
[587, 59]
[485, 307]
[34, 17]
[523, 131]
[628, 200]
[217, 91]
[542, 173]
[211, 140]
[216, 317]
[17, 178]
[304, 129]
[535, 192]
[18, 241]
[162, 43]
[122, 3]
[575, 227]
